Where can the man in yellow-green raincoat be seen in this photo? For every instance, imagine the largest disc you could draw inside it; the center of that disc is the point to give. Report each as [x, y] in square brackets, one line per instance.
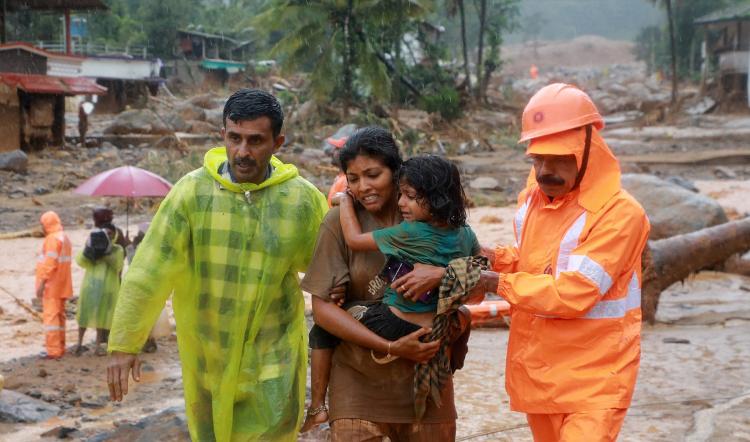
[229, 239]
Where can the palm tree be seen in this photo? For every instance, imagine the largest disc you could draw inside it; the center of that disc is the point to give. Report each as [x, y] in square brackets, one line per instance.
[330, 38]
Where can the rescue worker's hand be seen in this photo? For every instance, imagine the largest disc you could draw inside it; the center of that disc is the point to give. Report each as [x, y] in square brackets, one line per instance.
[489, 253]
[410, 347]
[419, 281]
[338, 295]
[120, 365]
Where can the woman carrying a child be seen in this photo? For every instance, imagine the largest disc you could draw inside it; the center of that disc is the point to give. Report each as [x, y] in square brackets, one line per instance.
[374, 349]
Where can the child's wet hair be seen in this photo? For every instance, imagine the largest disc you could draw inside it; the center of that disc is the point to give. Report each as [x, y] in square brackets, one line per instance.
[437, 182]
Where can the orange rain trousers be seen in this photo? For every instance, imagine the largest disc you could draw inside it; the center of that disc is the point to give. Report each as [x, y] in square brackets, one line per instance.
[53, 318]
[590, 426]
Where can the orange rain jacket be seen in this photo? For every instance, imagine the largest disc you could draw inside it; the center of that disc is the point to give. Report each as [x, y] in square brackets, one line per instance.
[53, 265]
[573, 280]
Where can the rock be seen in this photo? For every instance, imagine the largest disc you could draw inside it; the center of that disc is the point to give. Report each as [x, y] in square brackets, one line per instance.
[343, 132]
[42, 373]
[702, 107]
[305, 112]
[202, 127]
[675, 341]
[176, 122]
[682, 182]
[215, 117]
[41, 190]
[59, 432]
[137, 121]
[671, 209]
[484, 183]
[724, 172]
[206, 101]
[168, 425]
[15, 161]
[190, 112]
[168, 142]
[17, 407]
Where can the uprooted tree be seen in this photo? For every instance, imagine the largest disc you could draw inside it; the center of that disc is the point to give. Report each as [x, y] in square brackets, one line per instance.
[673, 259]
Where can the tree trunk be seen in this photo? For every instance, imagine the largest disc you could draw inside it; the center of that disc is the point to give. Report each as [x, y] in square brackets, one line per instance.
[669, 260]
[464, 44]
[348, 58]
[672, 50]
[480, 50]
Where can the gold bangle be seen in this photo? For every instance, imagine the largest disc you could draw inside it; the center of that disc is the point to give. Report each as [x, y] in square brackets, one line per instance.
[389, 349]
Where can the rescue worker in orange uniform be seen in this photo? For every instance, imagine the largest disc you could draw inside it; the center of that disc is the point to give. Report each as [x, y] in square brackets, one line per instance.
[54, 282]
[339, 184]
[573, 277]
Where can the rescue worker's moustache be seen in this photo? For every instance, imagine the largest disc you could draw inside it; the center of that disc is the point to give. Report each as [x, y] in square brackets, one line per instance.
[550, 180]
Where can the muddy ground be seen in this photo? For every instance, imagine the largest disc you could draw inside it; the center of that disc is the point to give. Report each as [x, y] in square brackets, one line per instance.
[694, 382]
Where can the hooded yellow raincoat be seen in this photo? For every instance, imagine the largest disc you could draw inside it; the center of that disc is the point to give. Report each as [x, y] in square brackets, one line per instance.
[231, 253]
[98, 296]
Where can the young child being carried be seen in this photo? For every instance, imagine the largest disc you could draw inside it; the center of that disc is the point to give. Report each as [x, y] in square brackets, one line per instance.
[434, 231]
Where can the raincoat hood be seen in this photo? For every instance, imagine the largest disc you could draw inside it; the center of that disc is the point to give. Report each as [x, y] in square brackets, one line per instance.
[51, 222]
[217, 156]
[601, 180]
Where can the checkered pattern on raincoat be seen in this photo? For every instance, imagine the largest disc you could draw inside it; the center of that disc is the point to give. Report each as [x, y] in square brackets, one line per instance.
[231, 252]
[98, 295]
[461, 275]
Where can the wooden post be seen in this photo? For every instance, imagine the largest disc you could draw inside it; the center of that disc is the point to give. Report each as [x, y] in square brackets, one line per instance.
[68, 49]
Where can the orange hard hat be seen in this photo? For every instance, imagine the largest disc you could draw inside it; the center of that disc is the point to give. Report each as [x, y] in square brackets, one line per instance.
[556, 108]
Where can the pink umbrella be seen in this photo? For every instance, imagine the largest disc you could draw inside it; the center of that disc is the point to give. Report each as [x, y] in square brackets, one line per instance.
[126, 181]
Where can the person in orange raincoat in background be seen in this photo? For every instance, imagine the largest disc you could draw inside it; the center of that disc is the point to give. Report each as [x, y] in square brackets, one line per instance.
[54, 282]
[573, 277]
[339, 184]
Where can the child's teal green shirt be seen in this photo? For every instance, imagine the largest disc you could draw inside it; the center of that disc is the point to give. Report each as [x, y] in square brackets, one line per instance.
[420, 242]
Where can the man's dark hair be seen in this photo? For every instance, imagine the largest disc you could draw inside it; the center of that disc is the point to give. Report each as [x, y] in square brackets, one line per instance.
[251, 104]
[437, 182]
[372, 141]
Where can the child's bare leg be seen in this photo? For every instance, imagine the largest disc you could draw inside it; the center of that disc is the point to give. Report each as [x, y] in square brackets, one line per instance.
[320, 371]
[79, 347]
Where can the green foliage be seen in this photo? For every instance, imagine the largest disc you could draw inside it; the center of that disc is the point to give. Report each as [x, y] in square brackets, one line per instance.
[445, 101]
[652, 43]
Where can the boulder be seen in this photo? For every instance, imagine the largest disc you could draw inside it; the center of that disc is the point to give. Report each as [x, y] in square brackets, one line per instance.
[15, 160]
[202, 127]
[672, 209]
[17, 407]
[344, 131]
[206, 101]
[484, 183]
[137, 121]
[167, 425]
[190, 112]
[215, 116]
[168, 142]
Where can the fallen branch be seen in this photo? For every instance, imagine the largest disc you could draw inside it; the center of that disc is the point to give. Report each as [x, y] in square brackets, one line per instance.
[33, 232]
[23, 304]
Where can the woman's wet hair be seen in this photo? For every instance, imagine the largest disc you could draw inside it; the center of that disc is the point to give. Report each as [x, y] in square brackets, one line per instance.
[374, 142]
[437, 182]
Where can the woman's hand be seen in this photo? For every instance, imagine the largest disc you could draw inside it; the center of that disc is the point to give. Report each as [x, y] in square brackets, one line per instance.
[419, 281]
[410, 347]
